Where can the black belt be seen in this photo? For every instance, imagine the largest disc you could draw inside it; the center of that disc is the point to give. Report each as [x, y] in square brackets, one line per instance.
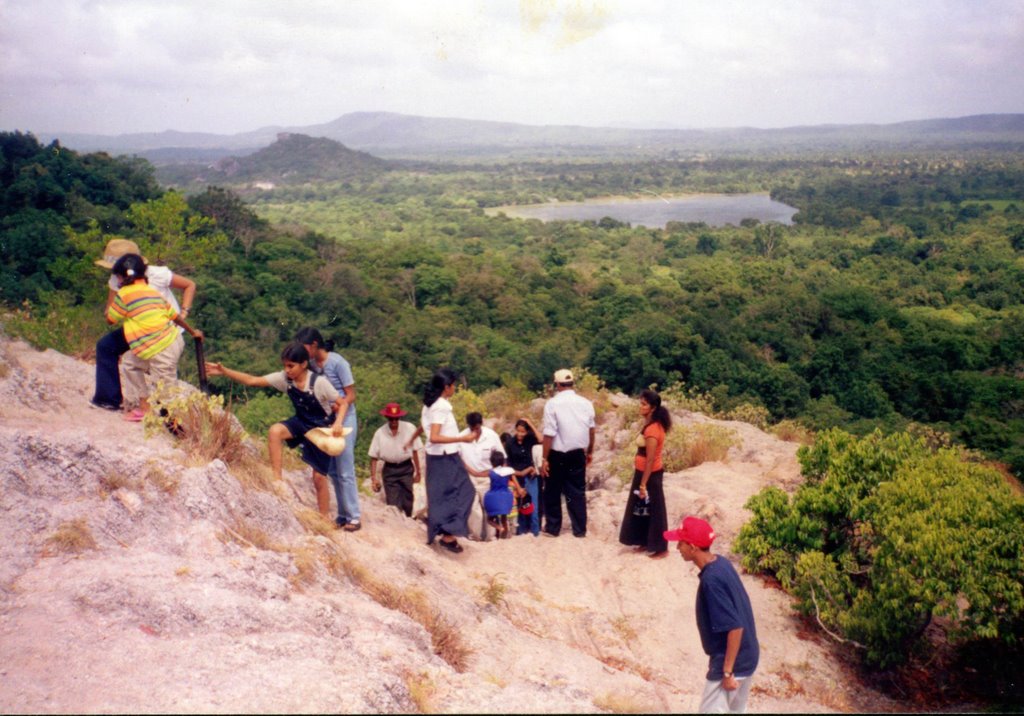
[569, 452]
[398, 464]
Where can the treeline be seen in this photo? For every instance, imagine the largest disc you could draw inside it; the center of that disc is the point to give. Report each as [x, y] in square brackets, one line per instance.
[873, 322]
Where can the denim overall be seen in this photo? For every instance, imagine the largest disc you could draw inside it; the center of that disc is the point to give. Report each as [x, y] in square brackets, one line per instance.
[309, 414]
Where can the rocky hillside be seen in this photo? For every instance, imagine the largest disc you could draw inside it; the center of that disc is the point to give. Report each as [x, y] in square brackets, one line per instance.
[135, 580]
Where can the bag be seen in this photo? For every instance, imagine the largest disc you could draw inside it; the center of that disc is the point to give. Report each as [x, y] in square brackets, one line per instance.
[526, 504]
[641, 508]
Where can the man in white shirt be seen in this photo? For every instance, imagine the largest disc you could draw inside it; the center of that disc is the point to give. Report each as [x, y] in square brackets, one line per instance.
[568, 446]
[400, 465]
[476, 456]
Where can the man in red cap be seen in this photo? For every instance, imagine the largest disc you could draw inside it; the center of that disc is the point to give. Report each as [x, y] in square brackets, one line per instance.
[725, 620]
[397, 445]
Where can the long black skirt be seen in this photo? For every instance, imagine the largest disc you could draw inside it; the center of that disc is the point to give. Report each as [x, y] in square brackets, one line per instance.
[450, 496]
[646, 531]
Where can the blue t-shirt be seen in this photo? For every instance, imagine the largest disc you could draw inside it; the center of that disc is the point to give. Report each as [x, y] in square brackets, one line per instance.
[723, 605]
[338, 371]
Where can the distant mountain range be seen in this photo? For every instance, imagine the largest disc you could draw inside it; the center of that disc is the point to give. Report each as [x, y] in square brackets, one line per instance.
[397, 135]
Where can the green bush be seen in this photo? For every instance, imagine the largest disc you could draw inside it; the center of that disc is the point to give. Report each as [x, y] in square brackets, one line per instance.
[888, 537]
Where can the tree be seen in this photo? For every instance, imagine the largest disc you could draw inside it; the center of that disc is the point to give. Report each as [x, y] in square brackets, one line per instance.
[885, 536]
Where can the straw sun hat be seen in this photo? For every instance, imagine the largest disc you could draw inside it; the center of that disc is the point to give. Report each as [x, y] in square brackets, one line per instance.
[323, 439]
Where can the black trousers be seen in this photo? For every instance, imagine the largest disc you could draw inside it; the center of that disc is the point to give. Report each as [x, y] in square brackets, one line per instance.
[567, 475]
[397, 479]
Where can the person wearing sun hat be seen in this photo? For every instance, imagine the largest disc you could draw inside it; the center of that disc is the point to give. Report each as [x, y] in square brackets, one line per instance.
[397, 446]
[112, 346]
[725, 620]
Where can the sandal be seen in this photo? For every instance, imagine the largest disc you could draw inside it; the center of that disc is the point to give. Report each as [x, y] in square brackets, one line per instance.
[452, 546]
[135, 416]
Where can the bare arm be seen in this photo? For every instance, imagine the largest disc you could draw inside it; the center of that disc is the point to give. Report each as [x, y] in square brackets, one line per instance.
[410, 441]
[416, 465]
[732, 650]
[547, 448]
[188, 291]
[438, 438]
[651, 445]
[253, 381]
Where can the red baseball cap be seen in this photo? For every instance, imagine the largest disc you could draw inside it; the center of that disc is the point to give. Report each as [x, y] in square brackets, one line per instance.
[692, 530]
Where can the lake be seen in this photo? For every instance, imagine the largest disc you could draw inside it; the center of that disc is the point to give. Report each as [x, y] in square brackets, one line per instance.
[655, 213]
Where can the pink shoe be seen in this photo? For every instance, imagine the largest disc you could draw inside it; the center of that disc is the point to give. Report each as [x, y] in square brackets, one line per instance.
[135, 416]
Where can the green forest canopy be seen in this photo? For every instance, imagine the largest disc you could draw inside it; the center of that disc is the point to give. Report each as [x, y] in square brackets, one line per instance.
[897, 296]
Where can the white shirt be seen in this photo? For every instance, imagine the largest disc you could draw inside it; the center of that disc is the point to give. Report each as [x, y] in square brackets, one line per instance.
[440, 413]
[391, 448]
[477, 454]
[568, 418]
[158, 278]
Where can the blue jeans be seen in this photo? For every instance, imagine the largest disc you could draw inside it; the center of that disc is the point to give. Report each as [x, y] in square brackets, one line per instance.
[343, 476]
[109, 350]
[530, 523]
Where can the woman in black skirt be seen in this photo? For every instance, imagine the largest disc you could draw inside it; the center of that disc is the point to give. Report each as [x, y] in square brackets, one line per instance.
[450, 494]
[645, 520]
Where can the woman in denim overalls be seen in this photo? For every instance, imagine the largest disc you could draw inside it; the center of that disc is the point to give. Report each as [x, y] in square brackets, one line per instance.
[316, 406]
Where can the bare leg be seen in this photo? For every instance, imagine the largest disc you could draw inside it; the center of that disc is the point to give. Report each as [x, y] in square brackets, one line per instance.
[276, 436]
[323, 494]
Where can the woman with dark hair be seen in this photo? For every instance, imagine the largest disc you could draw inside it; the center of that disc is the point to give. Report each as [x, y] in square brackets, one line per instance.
[315, 401]
[343, 467]
[450, 494]
[645, 520]
[519, 448]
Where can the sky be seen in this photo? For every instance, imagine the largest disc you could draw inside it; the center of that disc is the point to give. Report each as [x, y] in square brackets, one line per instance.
[228, 66]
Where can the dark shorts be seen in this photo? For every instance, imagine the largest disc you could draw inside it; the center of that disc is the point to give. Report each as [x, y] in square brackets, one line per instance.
[311, 454]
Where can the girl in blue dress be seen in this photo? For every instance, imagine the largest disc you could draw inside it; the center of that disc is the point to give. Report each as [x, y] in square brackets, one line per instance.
[498, 500]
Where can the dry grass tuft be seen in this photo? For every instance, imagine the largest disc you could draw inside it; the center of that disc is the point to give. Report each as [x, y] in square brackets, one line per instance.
[207, 431]
[689, 446]
[623, 626]
[628, 665]
[445, 637]
[496, 680]
[621, 704]
[162, 480]
[72, 537]
[493, 592]
[509, 402]
[313, 522]
[422, 690]
[793, 432]
[248, 535]
[118, 481]
[306, 560]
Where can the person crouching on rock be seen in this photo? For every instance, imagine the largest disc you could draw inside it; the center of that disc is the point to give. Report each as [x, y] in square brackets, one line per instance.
[317, 404]
[149, 331]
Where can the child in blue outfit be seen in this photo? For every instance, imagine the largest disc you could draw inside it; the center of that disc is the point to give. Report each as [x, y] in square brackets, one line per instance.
[498, 500]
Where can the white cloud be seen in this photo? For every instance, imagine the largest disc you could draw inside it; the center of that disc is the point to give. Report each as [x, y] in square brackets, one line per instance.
[146, 65]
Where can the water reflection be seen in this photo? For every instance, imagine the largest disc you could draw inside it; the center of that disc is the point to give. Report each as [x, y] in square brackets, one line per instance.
[712, 209]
